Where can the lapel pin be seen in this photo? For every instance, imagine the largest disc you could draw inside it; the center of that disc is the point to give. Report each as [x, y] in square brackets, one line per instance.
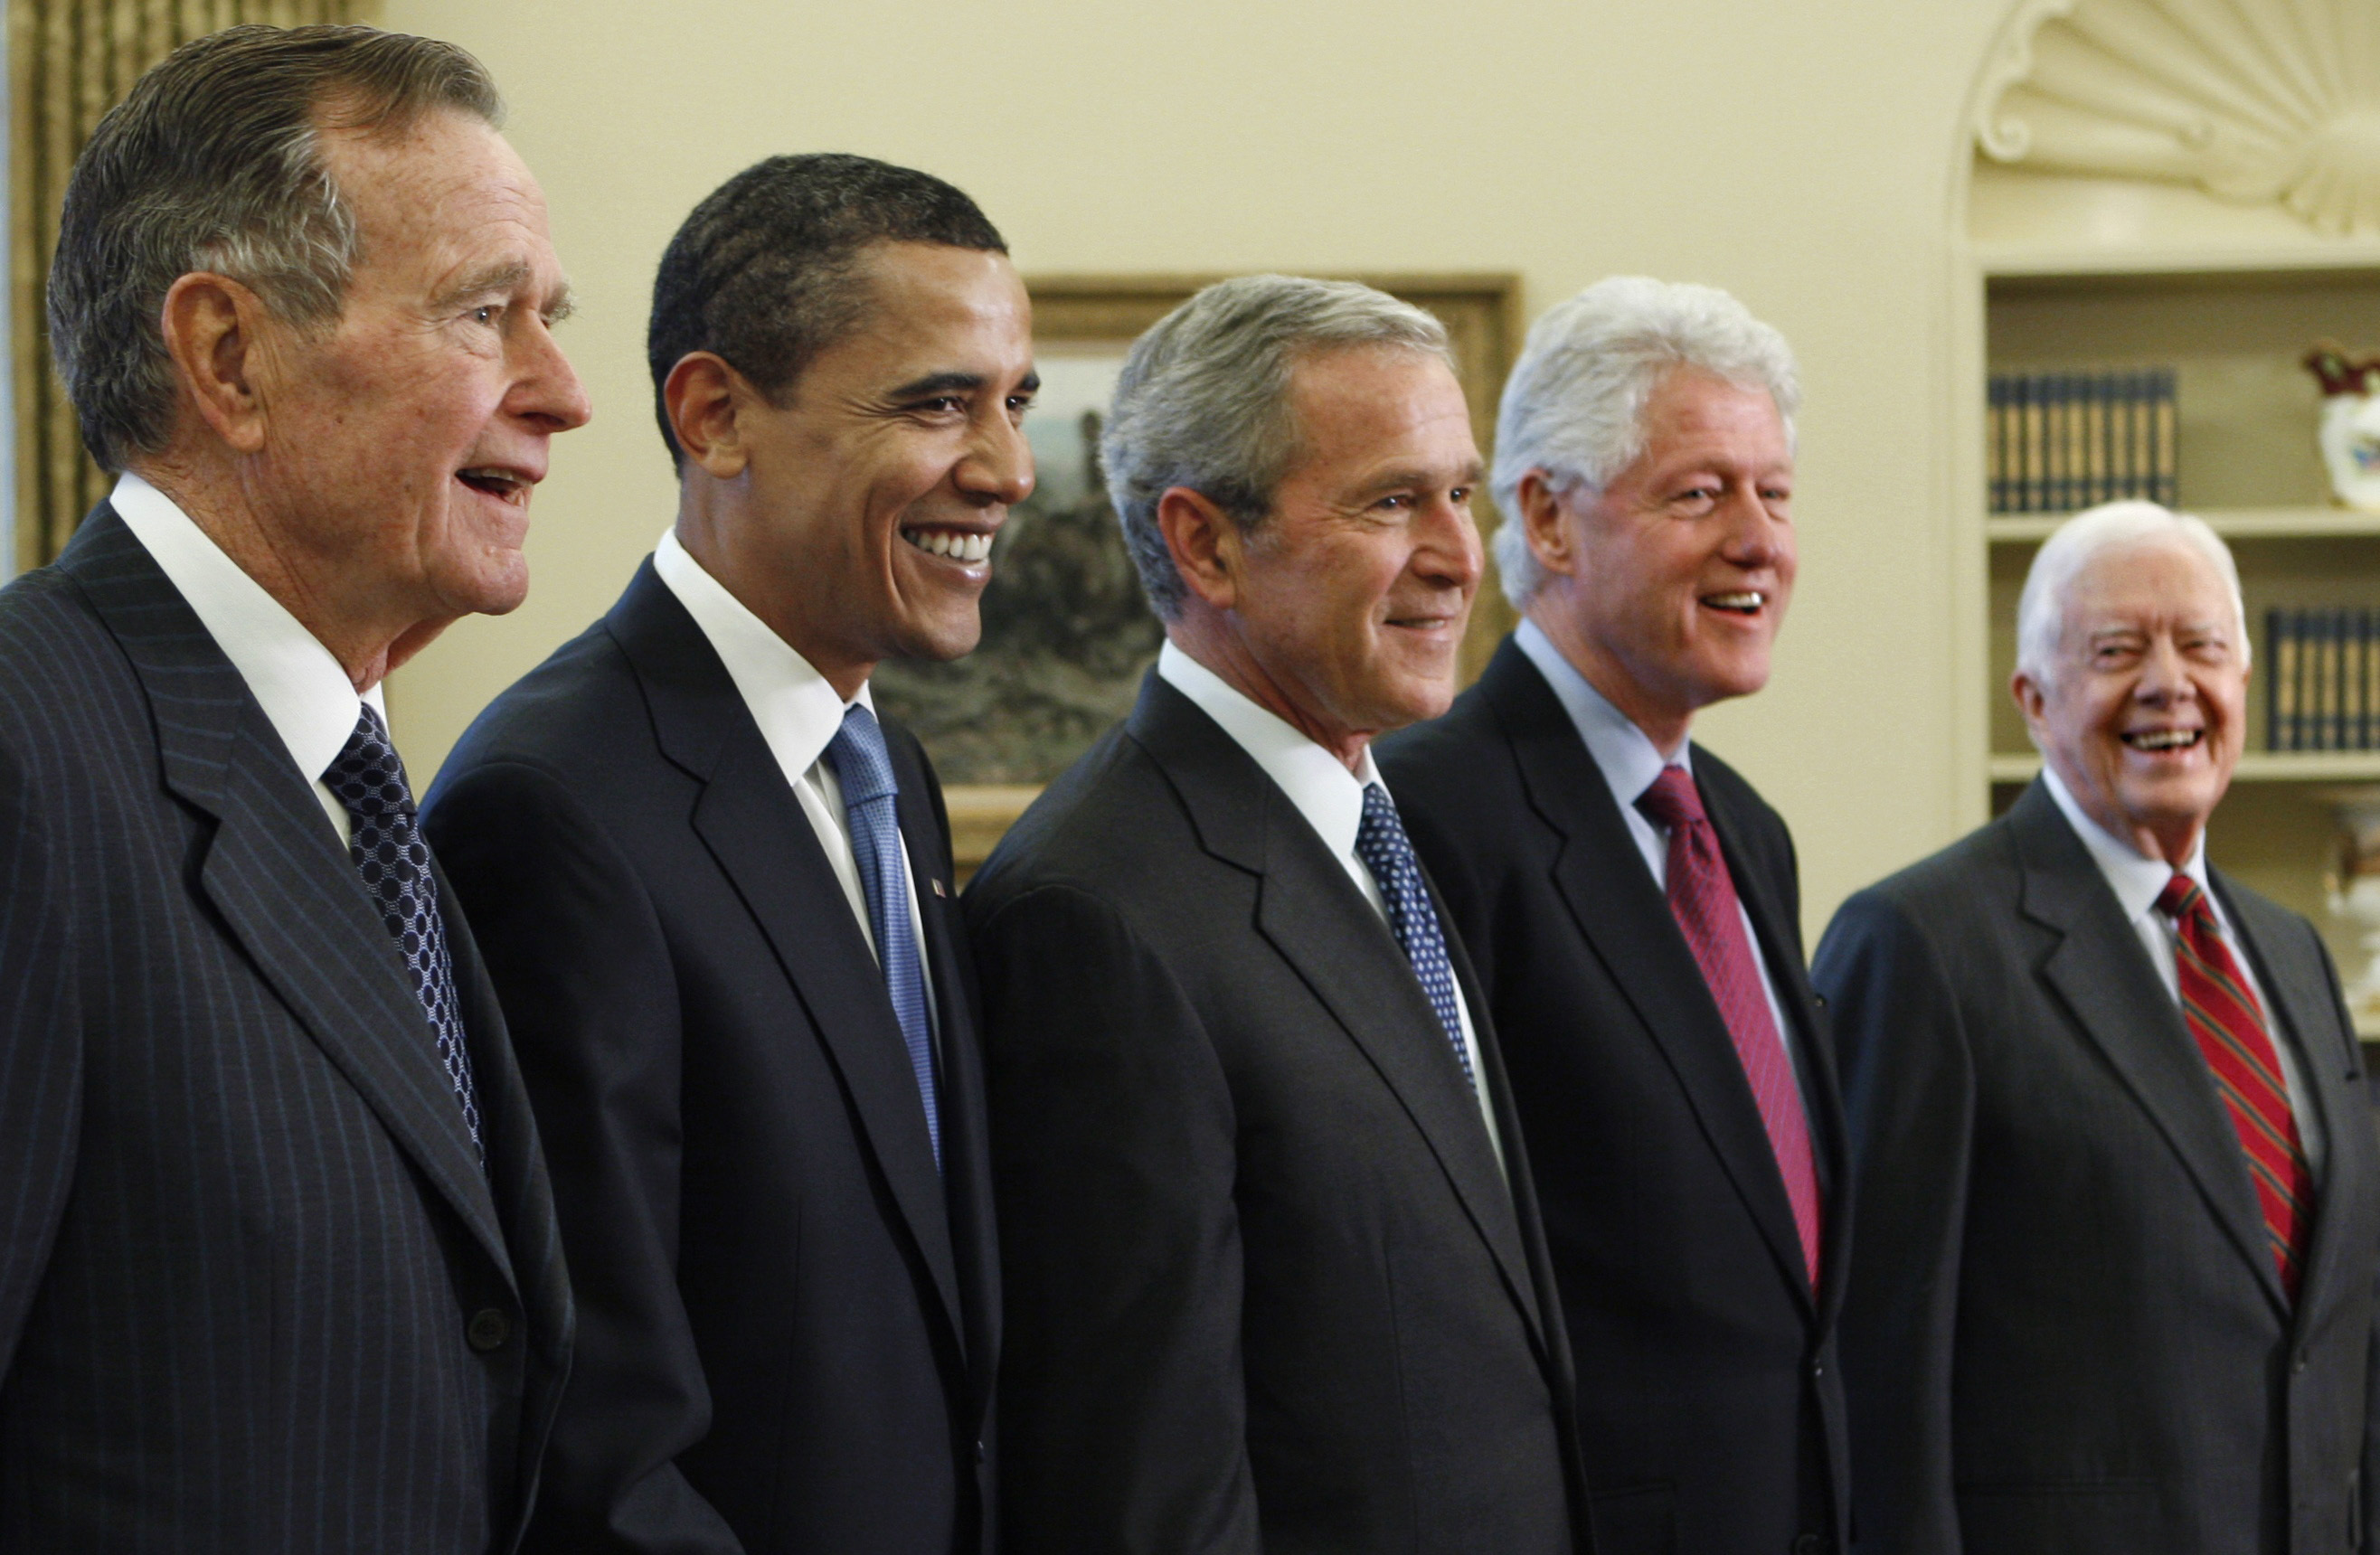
[939, 891]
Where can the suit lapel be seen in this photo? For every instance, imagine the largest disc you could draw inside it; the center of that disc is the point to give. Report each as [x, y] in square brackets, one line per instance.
[1602, 880]
[2295, 986]
[967, 1196]
[276, 872]
[2098, 967]
[1315, 918]
[757, 834]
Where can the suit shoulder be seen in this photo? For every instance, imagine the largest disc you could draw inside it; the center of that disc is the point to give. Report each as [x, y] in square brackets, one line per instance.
[1945, 893]
[1437, 771]
[1114, 794]
[572, 708]
[69, 697]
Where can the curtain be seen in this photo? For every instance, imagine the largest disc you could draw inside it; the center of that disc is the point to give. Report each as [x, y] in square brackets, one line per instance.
[69, 61]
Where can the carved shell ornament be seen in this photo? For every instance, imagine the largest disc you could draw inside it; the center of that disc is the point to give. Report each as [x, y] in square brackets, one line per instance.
[2258, 102]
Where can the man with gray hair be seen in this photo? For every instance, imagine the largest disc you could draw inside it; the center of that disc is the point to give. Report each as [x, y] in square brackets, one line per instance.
[1274, 1279]
[1633, 909]
[279, 1269]
[2119, 1213]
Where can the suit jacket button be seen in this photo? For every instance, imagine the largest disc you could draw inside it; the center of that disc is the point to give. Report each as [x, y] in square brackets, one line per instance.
[979, 1453]
[489, 1329]
[2299, 1365]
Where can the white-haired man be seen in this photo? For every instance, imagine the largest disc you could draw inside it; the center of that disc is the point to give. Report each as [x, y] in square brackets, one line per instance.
[1273, 1278]
[1634, 911]
[2118, 1220]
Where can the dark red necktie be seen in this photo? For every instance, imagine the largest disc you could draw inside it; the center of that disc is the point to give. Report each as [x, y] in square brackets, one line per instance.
[1702, 898]
[2222, 1013]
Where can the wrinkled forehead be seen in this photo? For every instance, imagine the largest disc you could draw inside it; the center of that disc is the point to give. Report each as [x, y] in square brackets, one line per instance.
[2148, 585]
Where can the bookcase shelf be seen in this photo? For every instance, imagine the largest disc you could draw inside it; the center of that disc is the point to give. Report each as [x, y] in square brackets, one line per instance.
[2255, 766]
[2232, 523]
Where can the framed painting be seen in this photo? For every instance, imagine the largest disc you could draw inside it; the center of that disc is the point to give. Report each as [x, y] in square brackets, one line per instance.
[1066, 632]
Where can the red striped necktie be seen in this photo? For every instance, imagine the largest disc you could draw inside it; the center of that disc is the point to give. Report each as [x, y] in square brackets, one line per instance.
[1703, 900]
[2222, 1013]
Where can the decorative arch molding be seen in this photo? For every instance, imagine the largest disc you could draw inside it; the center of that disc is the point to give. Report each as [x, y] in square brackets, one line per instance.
[2256, 102]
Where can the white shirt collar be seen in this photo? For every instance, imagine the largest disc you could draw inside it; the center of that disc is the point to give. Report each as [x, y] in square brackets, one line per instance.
[305, 694]
[2137, 881]
[1329, 795]
[797, 709]
[1627, 755]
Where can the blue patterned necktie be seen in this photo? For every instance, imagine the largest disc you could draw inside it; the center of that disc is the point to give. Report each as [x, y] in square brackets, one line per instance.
[394, 863]
[863, 770]
[1381, 844]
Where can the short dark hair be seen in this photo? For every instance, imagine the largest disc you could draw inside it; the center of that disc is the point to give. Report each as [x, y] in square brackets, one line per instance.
[214, 163]
[766, 272]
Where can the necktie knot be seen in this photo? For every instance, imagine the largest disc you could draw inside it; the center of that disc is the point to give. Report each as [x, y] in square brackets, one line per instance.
[858, 756]
[1673, 801]
[368, 778]
[2181, 900]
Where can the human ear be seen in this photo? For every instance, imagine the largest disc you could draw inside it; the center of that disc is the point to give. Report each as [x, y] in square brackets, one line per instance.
[704, 397]
[213, 327]
[1544, 516]
[1205, 542]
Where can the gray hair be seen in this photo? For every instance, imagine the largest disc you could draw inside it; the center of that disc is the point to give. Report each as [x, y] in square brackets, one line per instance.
[2041, 609]
[1574, 405]
[214, 163]
[1204, 400]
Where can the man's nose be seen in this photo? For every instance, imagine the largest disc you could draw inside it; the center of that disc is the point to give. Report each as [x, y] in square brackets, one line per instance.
[1450, 551]
[2165, 673]
[549, 390]
[998, 464]
[1755, 537]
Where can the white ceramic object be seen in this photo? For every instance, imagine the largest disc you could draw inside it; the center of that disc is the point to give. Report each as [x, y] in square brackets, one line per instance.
[2258, 102]
[2355, 896]
[2350, 432]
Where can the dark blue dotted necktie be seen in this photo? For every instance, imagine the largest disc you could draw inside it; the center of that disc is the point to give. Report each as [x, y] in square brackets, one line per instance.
[1381, 844]
[394, 863]
[863, 770]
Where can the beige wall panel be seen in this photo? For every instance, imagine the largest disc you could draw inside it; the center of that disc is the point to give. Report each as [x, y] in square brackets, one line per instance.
[1803, 156]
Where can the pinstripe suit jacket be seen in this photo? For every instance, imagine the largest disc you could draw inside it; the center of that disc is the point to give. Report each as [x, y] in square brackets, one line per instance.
[256, 1294]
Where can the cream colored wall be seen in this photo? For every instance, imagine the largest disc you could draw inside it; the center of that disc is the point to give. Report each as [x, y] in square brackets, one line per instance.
[1800, 155]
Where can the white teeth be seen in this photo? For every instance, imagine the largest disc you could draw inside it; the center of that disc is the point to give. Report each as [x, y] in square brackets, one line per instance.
[1749, 599]
[2164, 739]
[958, 546]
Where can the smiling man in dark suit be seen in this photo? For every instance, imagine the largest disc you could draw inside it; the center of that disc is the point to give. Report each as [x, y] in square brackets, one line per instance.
[1273, 1273]
[718, 900]
[1632, 909]
[2118, 1202]
[278, 1264]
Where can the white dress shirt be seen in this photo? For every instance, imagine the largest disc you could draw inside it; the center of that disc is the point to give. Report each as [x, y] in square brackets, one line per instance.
[307, 697]
[2138, 880]
[1630, 763]
[800, 713]
[1320, 788]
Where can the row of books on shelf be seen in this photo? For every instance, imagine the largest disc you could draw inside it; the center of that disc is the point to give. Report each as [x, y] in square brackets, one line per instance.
[2322, 680]
[2063, 441]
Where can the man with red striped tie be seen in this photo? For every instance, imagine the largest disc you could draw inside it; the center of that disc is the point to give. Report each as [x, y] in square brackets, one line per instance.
[2118, 1196]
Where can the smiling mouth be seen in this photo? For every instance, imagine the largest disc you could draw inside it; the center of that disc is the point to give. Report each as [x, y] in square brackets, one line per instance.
[957, 545]
[2161, 740]
[502, 485]
[1744, 601]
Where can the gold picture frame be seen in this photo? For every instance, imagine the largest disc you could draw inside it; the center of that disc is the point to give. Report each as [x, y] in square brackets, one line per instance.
[1080, 316]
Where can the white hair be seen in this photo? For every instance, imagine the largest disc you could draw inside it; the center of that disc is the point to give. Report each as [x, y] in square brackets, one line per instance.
[2041, 609]
[1574, 405]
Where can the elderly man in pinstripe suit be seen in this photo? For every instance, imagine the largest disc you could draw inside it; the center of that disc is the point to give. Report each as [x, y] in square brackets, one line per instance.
[278, 1269]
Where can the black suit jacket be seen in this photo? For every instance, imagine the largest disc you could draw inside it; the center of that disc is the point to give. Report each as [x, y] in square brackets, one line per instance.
[1267, 1286]
[256, 1293]
[1711, 1411]
[788, 1320]
[2064, 1330]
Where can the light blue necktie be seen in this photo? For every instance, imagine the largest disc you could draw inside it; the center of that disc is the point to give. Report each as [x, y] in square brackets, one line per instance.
[865, 771]
[1381, 844]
